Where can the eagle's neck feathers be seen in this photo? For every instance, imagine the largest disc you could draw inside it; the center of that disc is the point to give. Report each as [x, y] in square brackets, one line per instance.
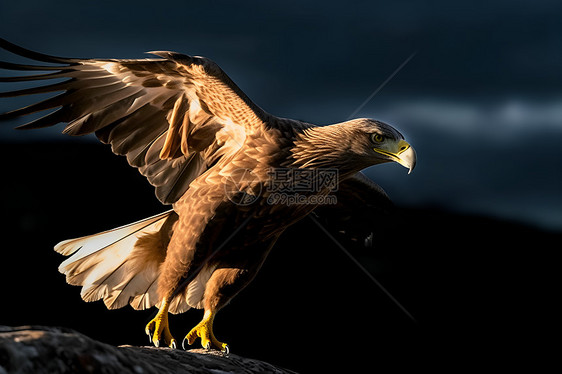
[332, 146]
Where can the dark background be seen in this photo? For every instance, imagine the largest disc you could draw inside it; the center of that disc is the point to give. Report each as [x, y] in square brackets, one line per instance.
[470, 251]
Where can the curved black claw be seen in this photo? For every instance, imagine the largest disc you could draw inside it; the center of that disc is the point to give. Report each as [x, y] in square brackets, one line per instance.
[208, 346]
[183, 344]
[174, 345]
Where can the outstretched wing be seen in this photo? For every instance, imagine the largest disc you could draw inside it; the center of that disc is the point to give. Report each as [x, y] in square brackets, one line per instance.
[172, 117]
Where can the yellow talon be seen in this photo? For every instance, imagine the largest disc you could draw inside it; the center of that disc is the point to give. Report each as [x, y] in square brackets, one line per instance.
[204, 330]
[158, 329]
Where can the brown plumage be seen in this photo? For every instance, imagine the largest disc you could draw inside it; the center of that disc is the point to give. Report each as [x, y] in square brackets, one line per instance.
[211, 153]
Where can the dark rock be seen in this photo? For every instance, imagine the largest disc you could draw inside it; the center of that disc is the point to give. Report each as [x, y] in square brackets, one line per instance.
[39, 349]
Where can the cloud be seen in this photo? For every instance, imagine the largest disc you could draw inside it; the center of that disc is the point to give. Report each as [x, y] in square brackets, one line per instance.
[498, 118]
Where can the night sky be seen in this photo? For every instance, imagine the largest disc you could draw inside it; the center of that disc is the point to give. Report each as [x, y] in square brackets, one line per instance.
[480, 100]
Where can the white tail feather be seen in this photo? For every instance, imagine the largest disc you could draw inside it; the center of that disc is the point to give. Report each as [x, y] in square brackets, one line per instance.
[93, 243]
[106, 266]
[113, 266]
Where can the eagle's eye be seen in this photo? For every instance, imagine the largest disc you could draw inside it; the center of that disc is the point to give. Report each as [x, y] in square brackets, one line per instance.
[377, 138]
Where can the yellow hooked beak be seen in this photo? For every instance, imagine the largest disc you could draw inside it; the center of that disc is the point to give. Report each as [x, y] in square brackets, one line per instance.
[401, 152]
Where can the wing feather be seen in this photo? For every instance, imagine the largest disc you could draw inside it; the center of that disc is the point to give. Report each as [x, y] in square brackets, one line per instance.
[165, 114]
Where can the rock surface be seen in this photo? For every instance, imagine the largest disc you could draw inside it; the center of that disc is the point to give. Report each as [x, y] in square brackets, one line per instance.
[38, 349]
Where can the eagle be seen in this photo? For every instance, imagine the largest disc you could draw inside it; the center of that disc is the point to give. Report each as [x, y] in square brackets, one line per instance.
[236, 177]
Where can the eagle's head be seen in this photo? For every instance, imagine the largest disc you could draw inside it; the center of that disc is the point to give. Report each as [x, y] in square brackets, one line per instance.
[353, 145]
[378, 142]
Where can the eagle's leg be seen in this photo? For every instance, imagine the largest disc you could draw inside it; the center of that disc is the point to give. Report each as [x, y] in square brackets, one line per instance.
[223, 285]
[204, 330]
[158, 330]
